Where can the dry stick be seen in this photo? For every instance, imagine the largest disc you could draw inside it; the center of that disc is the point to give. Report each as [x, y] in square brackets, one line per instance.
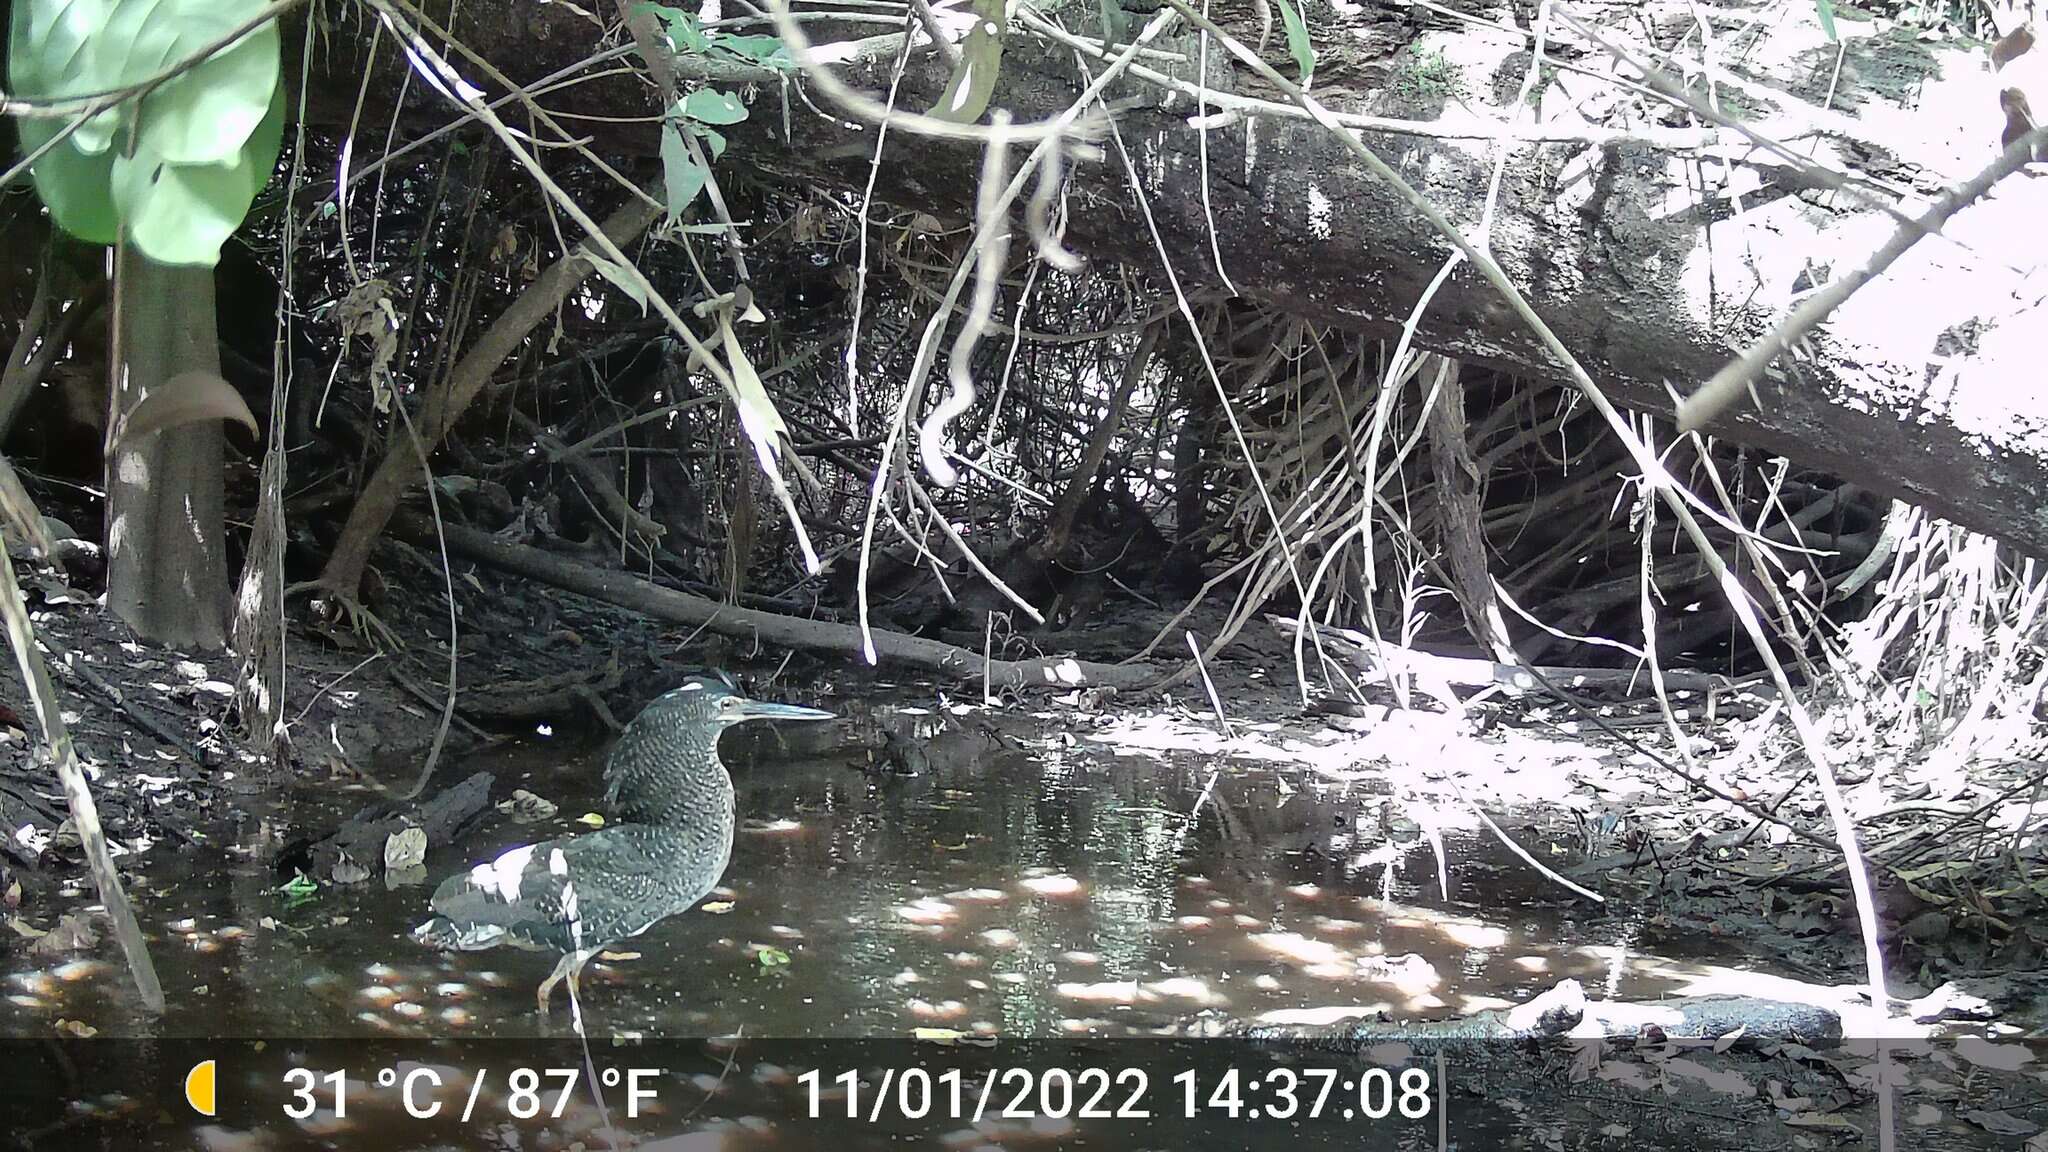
[1208, 685]
[1202, 156]
[928, 343]
[114, 695]
[860, 281]
[930, 19]
[988, 643]
[1187, 313]
[951, 533]
[451, 85]
[259, 626]
[324, 689]
[448, 577]
[1216, 770]
[1655, 477]
[1738, 374]
[442, 73]
[1400, 363]
[661, 603]
[25, 371]
[1474, 128]
[546, 85]
[918, 124]
[27, 524]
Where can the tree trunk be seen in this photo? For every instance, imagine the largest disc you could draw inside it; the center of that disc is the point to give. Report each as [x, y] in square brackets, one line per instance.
[167, 570]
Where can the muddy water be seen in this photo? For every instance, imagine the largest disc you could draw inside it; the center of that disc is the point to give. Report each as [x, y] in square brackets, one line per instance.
[1031, 880]
[1029, 884]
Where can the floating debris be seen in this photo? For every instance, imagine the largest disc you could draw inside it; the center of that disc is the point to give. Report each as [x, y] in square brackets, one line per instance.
[527, 808]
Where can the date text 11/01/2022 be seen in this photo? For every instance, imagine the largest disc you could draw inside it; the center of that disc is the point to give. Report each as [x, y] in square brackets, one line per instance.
[1126, 1093]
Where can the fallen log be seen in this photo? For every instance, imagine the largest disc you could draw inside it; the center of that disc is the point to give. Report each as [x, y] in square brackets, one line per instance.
[355, 851]
[1058, 673]
[1591, 220]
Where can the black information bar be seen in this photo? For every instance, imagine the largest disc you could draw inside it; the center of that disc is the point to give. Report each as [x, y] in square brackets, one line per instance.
[944, 1091]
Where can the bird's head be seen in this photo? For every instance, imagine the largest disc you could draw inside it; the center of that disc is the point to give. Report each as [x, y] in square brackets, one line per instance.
[710, 701]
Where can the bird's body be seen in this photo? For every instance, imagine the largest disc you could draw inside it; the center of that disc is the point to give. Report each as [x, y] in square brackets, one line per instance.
[672, 803]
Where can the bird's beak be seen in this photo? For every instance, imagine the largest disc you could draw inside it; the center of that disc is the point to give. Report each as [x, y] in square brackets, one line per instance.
[762, 710]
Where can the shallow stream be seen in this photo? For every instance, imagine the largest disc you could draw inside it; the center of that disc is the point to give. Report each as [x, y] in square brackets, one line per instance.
[1032, 880]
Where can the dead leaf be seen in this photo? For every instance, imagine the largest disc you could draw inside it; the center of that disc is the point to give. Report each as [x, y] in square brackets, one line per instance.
[617, 957]
[526, 808]
[187, 398]
[406, 848]
[73, 933]
[1997, 1057]
[24, 928]
[716, 907]
[78, 1028]
[57, 593]
[2001, 1123]
[367, 312]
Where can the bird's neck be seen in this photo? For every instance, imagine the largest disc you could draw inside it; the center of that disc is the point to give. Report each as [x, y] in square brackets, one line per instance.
[654, 778]
[700, 799]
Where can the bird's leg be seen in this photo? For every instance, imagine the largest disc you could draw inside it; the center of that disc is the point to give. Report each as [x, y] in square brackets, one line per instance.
[571, 966]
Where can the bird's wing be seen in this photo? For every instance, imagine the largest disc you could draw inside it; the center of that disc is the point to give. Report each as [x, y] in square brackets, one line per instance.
[578, 891]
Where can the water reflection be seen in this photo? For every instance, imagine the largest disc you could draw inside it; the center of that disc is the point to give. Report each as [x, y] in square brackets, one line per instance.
[1035, 885]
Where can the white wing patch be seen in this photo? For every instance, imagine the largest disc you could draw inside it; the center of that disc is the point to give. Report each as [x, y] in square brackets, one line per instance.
[501, 876]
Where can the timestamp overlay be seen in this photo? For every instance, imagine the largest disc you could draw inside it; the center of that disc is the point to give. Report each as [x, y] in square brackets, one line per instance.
[942, 1091]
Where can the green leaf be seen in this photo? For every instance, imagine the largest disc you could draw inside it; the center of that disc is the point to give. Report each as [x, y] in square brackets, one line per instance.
[1116, 24]
[772, 958]
[205, 115]
[1297, 40]
[208, 138]
[183, 213]
[681, 176]
[768, 51]
[299, 885]
[142, 38]
[710, 106]
[974, 81]
[1825, 9]
[74, 185]
[50, 54]
[714, 140]
[618, 276]
[683, 30]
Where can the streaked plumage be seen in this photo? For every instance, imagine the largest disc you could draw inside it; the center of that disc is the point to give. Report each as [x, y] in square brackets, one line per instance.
[672, 803]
